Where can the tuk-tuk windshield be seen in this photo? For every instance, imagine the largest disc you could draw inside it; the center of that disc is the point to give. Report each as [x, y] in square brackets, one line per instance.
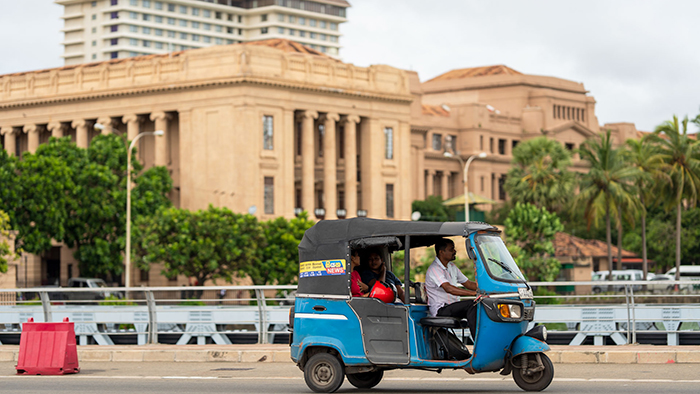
[499, 262]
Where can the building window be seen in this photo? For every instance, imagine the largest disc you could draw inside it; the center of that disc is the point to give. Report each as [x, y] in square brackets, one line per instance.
[114, 28]
[171, 34]
[113, 15]
[280, 30]
[263, 30]
[302, 21]
[312, 35]
[158, 32]
[389, 143]
[501, 189]
[146, 43]
[501, 146]
[321, 133]
[312, 22]
[133, 42]
[158, 19]
[133, 28]
[94, 17]
[94, 56]
[158, 5]
[389, 200]
[146, 30]
[195, 37]
[171, 7]
[207, 39]
[143, 275]
[171, 21]
[481, 142]
[219, 41]
[302, 33]
[292, 32]
[230, 30]
[195, 25]
[146, 17]
[240, 19]
[133, 15]
[451, 143]
[114, 41]
[292, 19]
[114, 55]
[491, 145]
[280, 17]
[334, 26]
[437, 142]
[146, 3]
[206, 14]
[114, 2]
[569, 146]
[183, 9]
[515, 143]
[183, 23]
[217, 15]
[322, 37]
[482, 183]
[134, 2]
[323, 24]
[263, 18]
[195, 11]
[206, 26]
[218, 28]
[269, 195]
[334, 38]
[94, 43]
[159, 45]
[183, 36]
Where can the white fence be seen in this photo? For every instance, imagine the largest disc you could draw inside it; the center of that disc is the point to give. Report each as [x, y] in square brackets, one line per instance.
[151, 316]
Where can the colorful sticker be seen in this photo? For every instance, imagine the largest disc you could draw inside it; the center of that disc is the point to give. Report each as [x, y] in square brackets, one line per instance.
[321, 268]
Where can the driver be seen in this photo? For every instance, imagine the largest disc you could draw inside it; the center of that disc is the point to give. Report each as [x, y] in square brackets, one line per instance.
[441, 282]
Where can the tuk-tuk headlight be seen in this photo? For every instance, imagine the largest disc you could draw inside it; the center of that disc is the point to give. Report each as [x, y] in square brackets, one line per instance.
[510, 311]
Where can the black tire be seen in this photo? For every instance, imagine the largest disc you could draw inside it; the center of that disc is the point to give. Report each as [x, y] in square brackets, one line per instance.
[323, 373]
[366, 380]
[537, 381]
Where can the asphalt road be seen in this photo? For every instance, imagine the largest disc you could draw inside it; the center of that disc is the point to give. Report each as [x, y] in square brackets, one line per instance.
[259, 378]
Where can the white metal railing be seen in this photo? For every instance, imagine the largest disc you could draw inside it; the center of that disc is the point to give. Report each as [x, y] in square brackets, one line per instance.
[162, 314]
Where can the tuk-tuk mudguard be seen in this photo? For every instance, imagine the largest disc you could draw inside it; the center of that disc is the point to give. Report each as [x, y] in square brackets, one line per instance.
[525, 344]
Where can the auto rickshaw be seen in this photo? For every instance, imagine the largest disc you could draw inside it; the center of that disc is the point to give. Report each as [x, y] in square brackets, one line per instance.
[334, 335]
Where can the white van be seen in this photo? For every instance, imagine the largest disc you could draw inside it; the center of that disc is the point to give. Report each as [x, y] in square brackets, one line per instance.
[632, 275]
[688, 272]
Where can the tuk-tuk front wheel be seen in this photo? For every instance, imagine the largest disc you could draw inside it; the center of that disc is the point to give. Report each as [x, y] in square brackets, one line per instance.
[366, 380]
[535, 377]
[323, 373]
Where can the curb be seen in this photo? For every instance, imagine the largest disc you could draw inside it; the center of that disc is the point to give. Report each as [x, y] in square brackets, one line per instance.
[628, 354]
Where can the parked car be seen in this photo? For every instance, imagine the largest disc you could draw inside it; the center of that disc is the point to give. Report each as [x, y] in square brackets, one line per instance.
[91, 283]
[618, 275]
[660, 283]
[688, 272]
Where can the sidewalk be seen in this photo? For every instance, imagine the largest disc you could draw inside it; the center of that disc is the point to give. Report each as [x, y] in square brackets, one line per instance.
[628, 354]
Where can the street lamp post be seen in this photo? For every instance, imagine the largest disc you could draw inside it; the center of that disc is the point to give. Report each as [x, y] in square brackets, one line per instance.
[127, 260]
[465, 171]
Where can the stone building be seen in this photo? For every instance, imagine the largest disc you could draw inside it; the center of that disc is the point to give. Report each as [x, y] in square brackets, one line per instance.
[273, 127]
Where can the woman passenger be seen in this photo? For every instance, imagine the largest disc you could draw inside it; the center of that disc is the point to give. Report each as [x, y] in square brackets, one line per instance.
[357, 288]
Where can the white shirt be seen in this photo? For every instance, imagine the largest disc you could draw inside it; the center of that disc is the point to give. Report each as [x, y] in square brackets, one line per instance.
[437, 275]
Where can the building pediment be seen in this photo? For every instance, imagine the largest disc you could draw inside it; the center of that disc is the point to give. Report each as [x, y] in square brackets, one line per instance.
[570, 125]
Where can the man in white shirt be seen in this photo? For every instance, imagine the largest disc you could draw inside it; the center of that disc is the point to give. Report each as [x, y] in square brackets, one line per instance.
[441, 283]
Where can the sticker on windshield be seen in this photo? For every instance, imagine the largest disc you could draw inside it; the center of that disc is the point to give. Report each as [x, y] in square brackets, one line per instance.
[321, 268]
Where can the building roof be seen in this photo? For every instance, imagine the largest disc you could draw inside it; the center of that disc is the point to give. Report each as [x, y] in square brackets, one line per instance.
[569, 245]
[435, 110]
[339, 3]
[476, 72]
[288, 46]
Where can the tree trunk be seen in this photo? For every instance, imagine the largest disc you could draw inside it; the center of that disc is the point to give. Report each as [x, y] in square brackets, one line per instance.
[619, 240]
[608, 238]
[678, 241]
[645, 266]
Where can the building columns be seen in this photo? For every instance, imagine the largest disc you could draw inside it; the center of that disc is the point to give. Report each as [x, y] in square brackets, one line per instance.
[430, 182]
[330, 184]
[10, 140]
[108, 124]
[133, 125]
[444, 188]
[81, 133]
[161, 120]
[57, 129]
[308, 157]
[32, 137]
[350, 154]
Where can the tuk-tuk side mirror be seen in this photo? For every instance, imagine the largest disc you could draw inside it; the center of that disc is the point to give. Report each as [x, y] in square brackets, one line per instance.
[470, 252]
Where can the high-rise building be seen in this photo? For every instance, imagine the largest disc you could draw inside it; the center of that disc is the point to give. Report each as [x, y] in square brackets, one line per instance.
[114, 29]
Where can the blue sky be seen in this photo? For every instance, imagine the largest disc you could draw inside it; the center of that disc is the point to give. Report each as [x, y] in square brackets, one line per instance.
[639, 59]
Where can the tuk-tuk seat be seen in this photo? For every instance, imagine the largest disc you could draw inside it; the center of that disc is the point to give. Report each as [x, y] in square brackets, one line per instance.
[443, 321]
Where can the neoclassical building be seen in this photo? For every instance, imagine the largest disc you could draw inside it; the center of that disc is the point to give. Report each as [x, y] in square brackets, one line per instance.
[273, 127]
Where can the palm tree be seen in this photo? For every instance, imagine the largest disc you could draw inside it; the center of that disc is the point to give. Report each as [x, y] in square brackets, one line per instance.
[608, 185]
[644, 155]
[540, 174]
[680, 155]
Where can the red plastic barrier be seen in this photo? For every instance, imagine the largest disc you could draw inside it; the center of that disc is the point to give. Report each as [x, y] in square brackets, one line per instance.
[47, 349]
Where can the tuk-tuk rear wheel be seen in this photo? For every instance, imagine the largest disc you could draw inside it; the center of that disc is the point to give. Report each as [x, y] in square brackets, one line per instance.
[323, 373]
[366, 380]
[536, 381]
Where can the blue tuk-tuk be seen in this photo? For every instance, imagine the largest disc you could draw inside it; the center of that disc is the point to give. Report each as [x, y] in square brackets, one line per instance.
[335, 335]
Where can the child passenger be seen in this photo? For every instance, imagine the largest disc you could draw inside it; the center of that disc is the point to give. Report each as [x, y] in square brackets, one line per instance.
[357, 288]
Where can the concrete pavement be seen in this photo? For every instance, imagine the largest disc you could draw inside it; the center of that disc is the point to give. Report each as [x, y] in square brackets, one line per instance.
[628, 354]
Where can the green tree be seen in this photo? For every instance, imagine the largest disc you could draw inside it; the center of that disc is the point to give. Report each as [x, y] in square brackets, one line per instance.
[680, 155]
[643, 155]
[279, 260]
[540, 174]
[432, 210]
[531, 231]
[607, 186]
[207, 244]
[5, 252]
[9, 181]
